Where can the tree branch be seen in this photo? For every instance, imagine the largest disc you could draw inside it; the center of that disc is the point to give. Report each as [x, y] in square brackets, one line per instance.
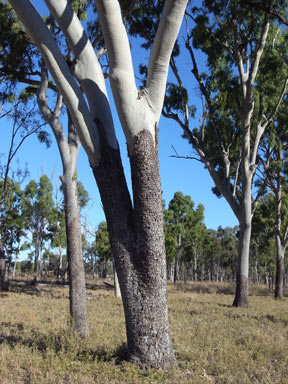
[161, 51]
[62, 76]
[85, 66]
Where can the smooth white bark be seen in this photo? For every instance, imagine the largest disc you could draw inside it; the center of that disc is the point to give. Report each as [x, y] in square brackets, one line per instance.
[139, 110]
[63, 78]
[86, 66]
[161, 50]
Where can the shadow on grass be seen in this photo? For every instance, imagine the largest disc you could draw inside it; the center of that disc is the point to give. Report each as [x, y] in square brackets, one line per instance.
[42, 286]
[61, 343]
[259, 318]
[219, 288]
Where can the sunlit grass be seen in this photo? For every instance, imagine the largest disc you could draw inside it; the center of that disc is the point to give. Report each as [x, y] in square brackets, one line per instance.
[214, 342]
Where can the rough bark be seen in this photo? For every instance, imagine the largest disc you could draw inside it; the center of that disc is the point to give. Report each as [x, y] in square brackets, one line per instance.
[137, 240]
[279, 269]
[77, 291]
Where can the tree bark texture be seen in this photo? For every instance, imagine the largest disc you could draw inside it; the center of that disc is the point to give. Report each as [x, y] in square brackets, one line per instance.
[77, 290]
[279, 269]
[137, 241]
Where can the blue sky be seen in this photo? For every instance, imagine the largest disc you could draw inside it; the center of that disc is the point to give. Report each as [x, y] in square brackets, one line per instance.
[187, 176]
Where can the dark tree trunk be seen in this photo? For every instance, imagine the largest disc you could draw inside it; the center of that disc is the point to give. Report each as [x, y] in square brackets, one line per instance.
[137, 240]
[4, 284]
[36, 260]
[77, 290]
[279, 271]
[242, 285]
[176, 268]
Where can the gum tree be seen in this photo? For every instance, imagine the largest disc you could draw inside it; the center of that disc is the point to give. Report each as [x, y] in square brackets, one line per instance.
[134, 222]
[236, 107]
[19, 65]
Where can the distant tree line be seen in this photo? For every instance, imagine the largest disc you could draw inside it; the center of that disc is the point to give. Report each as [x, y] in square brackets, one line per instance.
[33, 223]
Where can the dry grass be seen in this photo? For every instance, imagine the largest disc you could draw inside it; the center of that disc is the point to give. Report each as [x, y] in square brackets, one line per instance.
[214, 342]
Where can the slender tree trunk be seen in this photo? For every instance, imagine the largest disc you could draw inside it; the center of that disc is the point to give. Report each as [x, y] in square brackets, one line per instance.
[36, 260]
[241, 294]
[176, 268]
[4, 284]
[279, 269]
[77, 290]
[117, 290]
[59, 268]
[280, 248]
[137, 241]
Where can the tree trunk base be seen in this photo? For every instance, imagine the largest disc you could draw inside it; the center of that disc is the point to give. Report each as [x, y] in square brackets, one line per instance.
[241, 296]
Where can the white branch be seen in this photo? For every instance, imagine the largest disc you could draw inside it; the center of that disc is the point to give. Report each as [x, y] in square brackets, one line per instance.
[259, 52]
[87, 68]
[121, 72]
[68, 153]
[62, 76]
[161, 51]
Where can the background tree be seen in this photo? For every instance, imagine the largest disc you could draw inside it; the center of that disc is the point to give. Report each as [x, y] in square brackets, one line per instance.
[235, 108]
[263, 241]
[184, 231]
[39, 211]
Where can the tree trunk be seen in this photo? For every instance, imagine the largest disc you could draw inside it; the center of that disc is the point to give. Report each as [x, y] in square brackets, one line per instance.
[77, 290]
[241, 294]
[137, 241]
[280, 248]
[176, 268]
[36, 260]
[279, 269]
[15, 267]
[117, 290]
[4, 284]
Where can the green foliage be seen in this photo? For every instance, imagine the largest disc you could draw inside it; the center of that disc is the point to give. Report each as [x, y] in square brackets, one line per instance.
[184, 229]
[11, 218]
[39, 211]
[83, 196]
[102, 247]
[15, 48]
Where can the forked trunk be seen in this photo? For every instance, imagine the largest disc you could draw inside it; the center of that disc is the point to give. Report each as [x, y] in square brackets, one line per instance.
[137, 240]
[77, 290]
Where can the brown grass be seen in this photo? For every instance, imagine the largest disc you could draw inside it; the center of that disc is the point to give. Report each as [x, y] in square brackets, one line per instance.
[214, 342]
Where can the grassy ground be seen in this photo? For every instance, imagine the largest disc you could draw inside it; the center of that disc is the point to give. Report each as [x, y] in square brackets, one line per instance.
[214, 342]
